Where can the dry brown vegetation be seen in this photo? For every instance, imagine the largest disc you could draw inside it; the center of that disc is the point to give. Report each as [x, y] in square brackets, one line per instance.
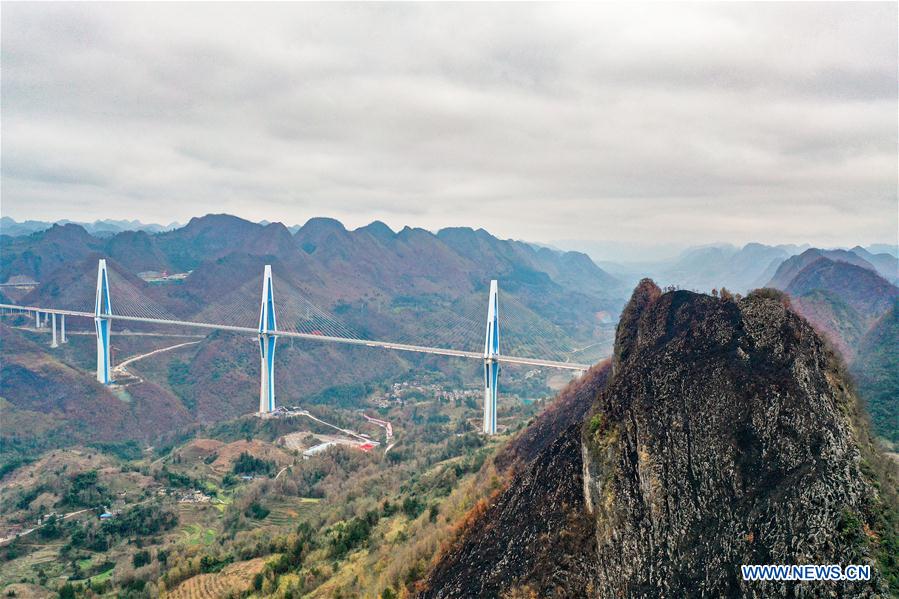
[405, 552]
[258, 449]
[60, 461]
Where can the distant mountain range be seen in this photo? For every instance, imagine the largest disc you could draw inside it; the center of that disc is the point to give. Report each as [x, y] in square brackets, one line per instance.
[748, 267]
[374, 257]
[100, 228]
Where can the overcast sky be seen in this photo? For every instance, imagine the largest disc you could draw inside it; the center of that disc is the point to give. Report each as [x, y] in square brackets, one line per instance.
[671, 123]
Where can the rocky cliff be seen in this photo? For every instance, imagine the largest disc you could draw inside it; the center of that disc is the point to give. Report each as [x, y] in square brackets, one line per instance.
[727, 435]
[535, 539]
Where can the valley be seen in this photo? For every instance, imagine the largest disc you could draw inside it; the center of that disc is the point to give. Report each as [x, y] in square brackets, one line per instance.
[166, 483]
[219, 486]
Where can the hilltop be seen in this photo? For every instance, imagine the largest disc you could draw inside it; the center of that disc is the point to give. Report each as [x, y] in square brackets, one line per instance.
[790, 268]
[728, 435]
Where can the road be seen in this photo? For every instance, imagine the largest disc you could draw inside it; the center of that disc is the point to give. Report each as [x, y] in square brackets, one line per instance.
[121, 367]
[388, 429]
[64, 517]
[353, 434]
[585, 348]
[6, 540]
[113, 333]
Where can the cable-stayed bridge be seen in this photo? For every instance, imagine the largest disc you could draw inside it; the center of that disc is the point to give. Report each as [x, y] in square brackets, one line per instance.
[295, 317]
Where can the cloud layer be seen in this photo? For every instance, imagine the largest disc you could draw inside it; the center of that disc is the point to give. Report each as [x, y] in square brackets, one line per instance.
[681, 123]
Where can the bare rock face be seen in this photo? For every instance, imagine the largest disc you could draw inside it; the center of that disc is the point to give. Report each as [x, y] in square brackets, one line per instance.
[724, 437]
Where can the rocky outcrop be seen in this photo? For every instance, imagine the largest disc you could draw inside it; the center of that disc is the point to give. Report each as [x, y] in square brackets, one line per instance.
[535, 538]
[725, 437]
[726, 434]
[568, 408]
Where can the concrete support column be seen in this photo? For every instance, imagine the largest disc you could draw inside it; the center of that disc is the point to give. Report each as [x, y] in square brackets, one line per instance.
[55, 342]
[267, 343]
[62, 329]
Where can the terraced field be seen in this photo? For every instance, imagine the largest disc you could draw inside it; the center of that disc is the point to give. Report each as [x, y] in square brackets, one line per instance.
[102, 577]
[232, 579]
[196, 534]
[27, 591]
[287, 512]
[45, 559]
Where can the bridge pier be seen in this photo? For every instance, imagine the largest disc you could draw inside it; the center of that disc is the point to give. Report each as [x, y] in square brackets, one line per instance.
[102, 310]
[62, 329]
[55, 342]
[491, 365]
[267, 343]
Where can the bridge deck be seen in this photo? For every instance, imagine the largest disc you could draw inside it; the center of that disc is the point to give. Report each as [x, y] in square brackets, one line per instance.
[441, 351]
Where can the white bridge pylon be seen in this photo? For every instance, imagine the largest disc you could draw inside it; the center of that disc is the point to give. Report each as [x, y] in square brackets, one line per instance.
[267, 342]
[268, 332]
[491, 365]
[102, 311]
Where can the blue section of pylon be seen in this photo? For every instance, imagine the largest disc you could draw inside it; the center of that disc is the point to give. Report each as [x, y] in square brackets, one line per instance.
[491, 342]
[271, 308]
[102, 325]
[495, 328]
[491, 378]
[267, 344]
[271, 341]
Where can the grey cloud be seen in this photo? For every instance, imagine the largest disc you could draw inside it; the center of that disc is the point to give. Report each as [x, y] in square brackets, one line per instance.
[677, 122]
